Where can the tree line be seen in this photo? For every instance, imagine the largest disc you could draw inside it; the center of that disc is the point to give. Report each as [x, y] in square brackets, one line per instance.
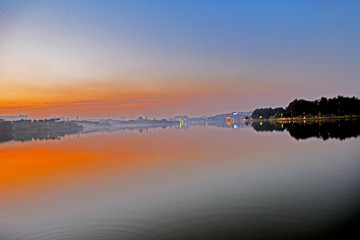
[324, 107]
[25, 130]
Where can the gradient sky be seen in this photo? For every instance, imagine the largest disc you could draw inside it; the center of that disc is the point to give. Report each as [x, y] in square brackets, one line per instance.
[162, 58]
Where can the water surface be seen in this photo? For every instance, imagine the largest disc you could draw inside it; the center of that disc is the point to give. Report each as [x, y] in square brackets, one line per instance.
[167, 183]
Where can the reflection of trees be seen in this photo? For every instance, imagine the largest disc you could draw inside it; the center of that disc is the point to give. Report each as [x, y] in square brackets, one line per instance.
[26, 130]
[267, 126]
[341, 129]
[141, 129]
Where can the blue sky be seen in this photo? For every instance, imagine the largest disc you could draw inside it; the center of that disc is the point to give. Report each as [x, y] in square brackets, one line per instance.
[256, 53]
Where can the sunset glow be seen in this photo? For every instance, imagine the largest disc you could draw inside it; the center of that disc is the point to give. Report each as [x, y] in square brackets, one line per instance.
[179, 120]
[126, 58]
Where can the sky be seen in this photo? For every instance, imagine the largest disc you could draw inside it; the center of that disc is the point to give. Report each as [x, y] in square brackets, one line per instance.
[108, 59]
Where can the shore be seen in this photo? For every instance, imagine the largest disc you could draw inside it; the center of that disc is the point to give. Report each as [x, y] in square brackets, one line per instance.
[299, 119]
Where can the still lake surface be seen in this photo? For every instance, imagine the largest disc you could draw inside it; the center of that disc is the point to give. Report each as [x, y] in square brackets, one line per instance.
[167, 183]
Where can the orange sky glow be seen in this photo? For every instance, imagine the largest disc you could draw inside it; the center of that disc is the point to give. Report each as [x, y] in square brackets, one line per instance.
[196, 61]
[116, 99]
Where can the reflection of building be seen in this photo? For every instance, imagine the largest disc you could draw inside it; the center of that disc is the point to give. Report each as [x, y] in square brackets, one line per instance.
[182, 120]
[182, 124]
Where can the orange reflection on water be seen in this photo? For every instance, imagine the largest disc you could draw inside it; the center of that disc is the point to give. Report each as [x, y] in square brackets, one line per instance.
[40, 165]
[21, 166]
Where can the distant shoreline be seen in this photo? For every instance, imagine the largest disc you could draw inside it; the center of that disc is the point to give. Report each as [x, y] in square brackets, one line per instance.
[300, 119]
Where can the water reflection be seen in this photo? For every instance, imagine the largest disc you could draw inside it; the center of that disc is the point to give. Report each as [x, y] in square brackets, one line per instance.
[28, 130]
[340, 129]
[325, 130]
[200, 183]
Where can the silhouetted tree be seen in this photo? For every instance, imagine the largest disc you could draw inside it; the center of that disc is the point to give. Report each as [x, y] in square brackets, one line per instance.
[338, 106]
[265, 113]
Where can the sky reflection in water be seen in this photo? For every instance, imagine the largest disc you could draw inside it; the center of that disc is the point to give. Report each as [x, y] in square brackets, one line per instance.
[178, 184]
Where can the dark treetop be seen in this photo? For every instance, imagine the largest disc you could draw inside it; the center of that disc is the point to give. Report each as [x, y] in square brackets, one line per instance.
[324, 107]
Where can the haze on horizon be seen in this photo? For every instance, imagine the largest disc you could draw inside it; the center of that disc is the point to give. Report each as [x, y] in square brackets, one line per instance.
[161, 58]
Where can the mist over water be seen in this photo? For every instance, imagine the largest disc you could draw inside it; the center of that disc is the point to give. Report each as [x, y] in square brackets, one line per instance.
[169, 183]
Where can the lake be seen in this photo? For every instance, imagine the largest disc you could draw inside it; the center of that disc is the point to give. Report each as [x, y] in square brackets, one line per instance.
[199, 182]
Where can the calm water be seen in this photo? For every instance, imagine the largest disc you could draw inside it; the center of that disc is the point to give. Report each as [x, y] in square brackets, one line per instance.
[195, 183]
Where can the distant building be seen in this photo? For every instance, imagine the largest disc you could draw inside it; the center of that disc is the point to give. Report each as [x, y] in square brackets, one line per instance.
[230, 121]
[15, 117]
[181, 118]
